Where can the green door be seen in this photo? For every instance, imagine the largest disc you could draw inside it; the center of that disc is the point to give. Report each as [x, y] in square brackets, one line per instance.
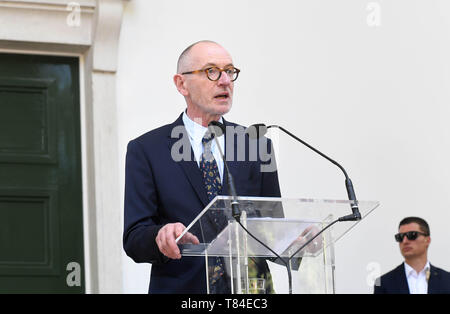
[41, 226]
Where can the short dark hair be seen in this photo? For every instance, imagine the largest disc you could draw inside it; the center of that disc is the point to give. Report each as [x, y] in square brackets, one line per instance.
[421, 222]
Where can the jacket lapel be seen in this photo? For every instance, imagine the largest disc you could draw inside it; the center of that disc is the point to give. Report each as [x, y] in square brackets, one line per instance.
[402, 280]
[189, 167]
[232, 164]
[433, 280]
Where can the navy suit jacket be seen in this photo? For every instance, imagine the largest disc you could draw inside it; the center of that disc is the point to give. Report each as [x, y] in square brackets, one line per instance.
[159, 190]
[395, 282]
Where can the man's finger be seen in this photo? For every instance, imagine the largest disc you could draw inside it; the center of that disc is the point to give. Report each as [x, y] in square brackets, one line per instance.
[189, 238]
[172, 246]
[166, 242]
[179, 228]
[194, 239]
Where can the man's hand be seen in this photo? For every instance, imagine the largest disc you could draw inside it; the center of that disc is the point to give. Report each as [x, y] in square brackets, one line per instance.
[306, 235]
[166, 239]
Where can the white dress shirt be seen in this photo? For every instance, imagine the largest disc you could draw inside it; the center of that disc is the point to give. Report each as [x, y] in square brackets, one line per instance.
[196, 132]
[417, 282]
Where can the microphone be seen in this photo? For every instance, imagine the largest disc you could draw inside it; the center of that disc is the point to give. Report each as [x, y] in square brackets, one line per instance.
[257, 130]
[218, 129]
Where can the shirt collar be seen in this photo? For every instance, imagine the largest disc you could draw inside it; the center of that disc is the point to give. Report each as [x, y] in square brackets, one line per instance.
[411, 271]
[195, 130]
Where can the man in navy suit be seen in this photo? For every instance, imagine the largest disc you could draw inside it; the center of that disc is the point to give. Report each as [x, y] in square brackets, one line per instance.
[164, 193]
[416, 275]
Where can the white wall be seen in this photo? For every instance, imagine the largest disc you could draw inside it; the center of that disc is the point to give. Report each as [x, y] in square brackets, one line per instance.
[375, 98]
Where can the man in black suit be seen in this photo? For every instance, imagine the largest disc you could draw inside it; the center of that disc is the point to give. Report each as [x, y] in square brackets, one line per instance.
[164, 193]
[416, 275]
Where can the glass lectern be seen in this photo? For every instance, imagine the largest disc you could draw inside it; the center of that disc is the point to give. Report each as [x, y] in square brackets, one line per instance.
[289, 227]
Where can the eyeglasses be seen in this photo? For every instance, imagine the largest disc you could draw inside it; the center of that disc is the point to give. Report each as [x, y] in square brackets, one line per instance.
[411, 235]
[214, 73]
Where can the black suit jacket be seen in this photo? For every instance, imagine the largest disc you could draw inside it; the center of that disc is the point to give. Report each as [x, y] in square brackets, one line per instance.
[395, 282]
[160, 190]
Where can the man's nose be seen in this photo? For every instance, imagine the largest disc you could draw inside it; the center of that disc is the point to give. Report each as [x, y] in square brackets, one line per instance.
[405, 240]
[224, 79]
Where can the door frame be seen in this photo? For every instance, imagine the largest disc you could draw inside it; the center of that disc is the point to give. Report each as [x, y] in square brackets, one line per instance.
[102, 208]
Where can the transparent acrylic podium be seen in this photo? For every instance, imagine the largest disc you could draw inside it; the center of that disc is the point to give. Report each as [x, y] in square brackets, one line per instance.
[285, 225]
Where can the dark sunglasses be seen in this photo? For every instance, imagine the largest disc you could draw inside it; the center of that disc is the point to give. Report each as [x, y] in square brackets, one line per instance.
[411, 235]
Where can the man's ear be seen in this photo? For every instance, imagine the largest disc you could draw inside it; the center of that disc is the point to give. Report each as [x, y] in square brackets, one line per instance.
[180, 83]
[428, 241]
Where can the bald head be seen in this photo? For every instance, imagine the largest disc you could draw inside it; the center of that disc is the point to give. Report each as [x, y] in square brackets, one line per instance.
[206, 99]
[185, 60]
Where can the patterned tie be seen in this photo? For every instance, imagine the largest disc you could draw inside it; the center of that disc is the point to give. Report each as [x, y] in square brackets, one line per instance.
[257, 267]
[210, 171]
[213, 185]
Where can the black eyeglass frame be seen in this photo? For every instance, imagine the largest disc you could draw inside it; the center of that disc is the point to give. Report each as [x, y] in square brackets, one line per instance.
[235, 71]
[411, 235]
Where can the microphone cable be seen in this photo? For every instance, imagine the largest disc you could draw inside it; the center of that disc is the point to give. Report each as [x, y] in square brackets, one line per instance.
[235, 204]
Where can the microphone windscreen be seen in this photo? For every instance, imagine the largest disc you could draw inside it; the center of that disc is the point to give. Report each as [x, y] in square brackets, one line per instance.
[217, 128]
[256, 131]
